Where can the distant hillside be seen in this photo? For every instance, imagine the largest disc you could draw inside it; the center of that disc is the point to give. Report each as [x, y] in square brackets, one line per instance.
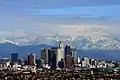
[7, 48]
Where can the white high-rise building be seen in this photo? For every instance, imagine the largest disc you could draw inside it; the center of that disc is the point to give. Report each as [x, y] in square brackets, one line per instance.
[61, 49]
[78, 60]
[85, 62]
[59, 52]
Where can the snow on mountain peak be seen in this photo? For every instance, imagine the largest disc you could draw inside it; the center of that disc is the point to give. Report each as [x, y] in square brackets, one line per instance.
[80, 42]
[4, 40]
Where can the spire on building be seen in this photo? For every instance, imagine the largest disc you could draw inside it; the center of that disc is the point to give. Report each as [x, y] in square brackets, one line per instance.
[60, 44]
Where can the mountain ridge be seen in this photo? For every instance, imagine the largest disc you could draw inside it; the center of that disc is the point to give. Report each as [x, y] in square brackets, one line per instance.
[80, 42]
[23, 51]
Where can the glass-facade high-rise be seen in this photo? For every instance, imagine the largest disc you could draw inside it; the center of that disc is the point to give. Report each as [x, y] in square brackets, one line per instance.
[44, 55]
[67, 50]
[14, 57]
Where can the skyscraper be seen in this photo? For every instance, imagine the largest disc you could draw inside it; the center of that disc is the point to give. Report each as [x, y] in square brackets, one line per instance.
[68, 56]
[49, 57]
[55, 56]
[53, 63]
[68, 61]
[60, 52]
[60, 45]
[57, 53]
[73, 55]
[61, 49]
[44, 55]
[14, 57]
[31, 60]
[67, 50]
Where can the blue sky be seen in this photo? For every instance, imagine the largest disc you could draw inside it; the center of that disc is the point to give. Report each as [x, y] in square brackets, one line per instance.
[20, 18]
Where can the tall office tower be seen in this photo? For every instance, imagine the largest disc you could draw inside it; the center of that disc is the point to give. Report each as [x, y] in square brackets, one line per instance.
[61, 49]
[44, 55]
[50, 57]
[68, 61]
[67, 50]
[73, 54]
[60, 44]
[85, 62]
[14, 58]
[53, 57]
[55, 54]
[59, 52]
[31, 60]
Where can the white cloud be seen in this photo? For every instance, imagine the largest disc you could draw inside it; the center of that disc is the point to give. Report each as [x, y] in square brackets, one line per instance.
[32, 26]
[91, 30]
[50, 29]
[13, 33]
[76, 30]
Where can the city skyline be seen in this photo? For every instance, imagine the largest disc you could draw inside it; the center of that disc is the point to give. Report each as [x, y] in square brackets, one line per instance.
[59, 39]
[81, 18]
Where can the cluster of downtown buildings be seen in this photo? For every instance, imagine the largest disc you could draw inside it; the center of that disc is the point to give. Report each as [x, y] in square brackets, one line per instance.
[55, 57]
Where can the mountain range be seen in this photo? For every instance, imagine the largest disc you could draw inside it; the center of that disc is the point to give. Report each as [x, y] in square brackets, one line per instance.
[80, 42]
[97, 47]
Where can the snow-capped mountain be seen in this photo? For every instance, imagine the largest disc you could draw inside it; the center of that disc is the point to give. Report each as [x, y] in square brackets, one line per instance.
[4, 40]
[81, 42]
[102, 47]
[95, 43]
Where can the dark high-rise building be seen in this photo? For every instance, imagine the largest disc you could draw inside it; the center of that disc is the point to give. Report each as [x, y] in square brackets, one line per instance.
[31, 60]
[53, 59]
[44, 55]
[68, 56]
[14, 57]
[67, 50]
[68, 61]
[49, 57]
